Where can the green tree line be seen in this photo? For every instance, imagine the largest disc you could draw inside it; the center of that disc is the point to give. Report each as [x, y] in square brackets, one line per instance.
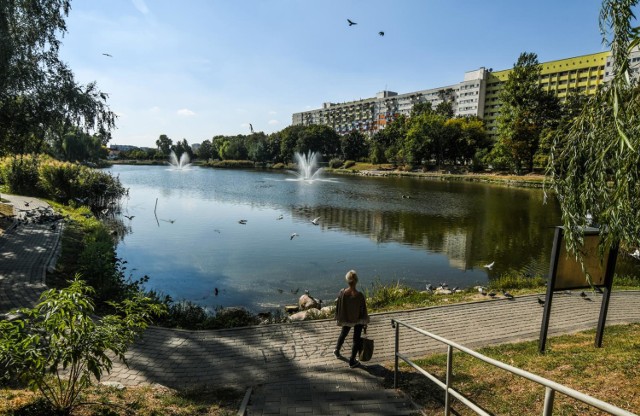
[426, 138]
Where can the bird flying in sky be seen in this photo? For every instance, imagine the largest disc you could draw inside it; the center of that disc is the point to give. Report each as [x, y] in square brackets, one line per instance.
[351, 23]
[381, 33]
[106, 54]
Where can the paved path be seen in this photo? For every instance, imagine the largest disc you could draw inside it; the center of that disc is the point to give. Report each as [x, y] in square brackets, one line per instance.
[291, 366]
[26, 250]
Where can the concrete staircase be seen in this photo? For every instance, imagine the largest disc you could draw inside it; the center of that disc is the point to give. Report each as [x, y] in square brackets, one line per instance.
[326, 399]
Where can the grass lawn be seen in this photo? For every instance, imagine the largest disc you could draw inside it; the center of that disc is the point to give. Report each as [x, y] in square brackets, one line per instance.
[610, 373]
[141, 401]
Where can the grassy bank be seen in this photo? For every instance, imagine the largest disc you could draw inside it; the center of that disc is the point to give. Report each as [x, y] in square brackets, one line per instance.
[368, 169]
[610, 373]
[396, 297]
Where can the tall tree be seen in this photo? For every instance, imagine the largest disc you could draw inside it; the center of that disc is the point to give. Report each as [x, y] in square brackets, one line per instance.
[526, 112]
[164, 144]
[425, 139]
[206, 150]
[38, 93]
[445, 107]
[595, 163]
[354, 145]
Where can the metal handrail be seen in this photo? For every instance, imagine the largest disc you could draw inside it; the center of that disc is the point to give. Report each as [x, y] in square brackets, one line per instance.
[550, 386]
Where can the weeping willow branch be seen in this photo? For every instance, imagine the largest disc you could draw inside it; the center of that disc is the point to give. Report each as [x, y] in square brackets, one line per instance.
[594, 167]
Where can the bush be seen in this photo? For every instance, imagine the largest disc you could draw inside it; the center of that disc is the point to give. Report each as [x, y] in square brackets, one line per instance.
[58, 346]
[385, 295]
[39, 175]
[237, 164]
[349, 163]
[20, 174]
[335, 163]
[189, 315]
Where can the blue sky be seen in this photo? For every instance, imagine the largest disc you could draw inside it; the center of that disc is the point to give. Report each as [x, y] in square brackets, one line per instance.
[194, 69]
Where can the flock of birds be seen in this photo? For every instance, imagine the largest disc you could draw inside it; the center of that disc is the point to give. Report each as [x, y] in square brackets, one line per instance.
[352, 23]
[315, 221]
[443, 287]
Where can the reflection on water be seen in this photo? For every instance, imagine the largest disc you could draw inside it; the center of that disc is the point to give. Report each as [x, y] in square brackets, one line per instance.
[388, 229]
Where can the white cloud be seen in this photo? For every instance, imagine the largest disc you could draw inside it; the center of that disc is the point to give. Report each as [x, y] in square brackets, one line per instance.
[141, 6]
[185, 112]
[273, 122]
[273, 112]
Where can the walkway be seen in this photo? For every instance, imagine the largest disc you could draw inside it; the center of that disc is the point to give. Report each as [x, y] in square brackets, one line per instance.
[26, 251]
[291, 367]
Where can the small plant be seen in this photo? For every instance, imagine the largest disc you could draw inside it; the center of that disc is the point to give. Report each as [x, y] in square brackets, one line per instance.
[382, 295]
[335, 163]
[514, 281]
[349, 163]
[56, 347]
[626, 280]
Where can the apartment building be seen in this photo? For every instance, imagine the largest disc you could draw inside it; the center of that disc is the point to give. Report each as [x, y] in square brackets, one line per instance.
[372, 114]
[582, 74]
[477, 95]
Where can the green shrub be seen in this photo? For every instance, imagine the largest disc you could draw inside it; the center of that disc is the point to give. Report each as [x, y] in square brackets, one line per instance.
[385, 295]
[39, 175]
[335, 163]
[58, 346]
[20, 174]
[237, 164]
[189, 315]
[349, 163]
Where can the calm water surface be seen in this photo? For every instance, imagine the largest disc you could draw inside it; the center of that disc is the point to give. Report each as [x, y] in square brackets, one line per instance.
[439, 231]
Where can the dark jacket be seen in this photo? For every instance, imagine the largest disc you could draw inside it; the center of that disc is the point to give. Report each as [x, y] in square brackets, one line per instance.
[351, 310]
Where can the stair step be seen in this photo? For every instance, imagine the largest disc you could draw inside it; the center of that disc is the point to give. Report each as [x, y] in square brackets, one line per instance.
[345, 402]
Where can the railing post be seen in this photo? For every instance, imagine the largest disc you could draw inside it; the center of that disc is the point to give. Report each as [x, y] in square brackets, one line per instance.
[447, 404]
[397, 347]
[549, 395]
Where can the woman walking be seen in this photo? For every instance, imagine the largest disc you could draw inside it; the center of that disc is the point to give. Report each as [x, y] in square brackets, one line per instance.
[351, 311]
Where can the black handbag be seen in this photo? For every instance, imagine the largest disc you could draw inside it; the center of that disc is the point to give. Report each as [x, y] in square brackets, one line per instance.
[366, 352]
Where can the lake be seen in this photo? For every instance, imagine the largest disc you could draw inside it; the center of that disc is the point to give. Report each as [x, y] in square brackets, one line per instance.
[187, 237]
